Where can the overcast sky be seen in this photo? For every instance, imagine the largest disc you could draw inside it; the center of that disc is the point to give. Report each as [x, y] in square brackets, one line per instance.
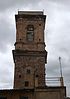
[57, 37]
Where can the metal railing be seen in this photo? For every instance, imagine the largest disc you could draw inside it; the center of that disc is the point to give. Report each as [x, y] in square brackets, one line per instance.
[54, 81]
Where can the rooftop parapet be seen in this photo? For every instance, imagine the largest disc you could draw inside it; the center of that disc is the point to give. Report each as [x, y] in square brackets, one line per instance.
[31, 12]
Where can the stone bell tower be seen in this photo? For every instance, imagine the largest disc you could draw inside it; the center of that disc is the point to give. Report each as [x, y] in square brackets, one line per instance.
[29, 54]
[30, 57]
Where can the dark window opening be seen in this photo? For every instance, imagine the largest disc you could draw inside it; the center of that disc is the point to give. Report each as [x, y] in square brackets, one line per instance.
[19, 76]
[39, 24]
[28, 71]
[26, 83]
[36, 75]
[39, 39]
[30, 33]
[23, 97]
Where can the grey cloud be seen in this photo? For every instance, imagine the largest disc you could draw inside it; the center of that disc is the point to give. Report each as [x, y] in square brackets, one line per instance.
[7, 34]
[4, 5]
[61, 1]
[11, 3]
[6, 71]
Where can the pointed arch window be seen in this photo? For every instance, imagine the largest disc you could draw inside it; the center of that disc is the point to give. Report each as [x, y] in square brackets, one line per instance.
[30, 33]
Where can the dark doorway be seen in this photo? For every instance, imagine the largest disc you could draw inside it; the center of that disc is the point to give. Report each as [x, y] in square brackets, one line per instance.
[23, 97]
[2, 97]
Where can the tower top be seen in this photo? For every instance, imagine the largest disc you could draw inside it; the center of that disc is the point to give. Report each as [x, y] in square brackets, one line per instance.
[37, 15]
[31, 12]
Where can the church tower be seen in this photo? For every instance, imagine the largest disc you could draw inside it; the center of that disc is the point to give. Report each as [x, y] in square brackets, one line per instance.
[29, 55]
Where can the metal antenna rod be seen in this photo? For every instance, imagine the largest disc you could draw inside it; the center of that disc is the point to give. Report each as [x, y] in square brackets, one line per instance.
[60, 66]
[61, 78]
